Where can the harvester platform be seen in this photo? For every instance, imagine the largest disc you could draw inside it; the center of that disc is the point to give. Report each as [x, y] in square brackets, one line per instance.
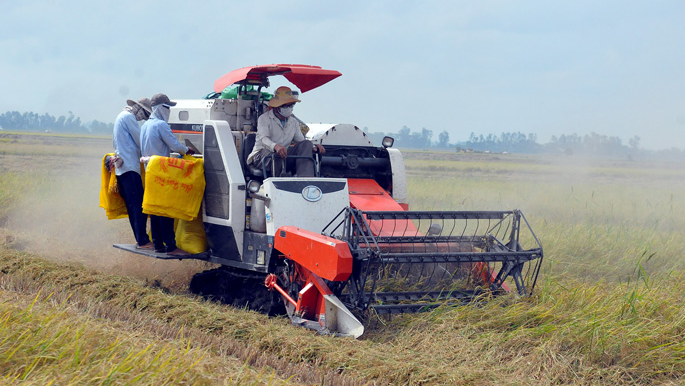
[158, 255]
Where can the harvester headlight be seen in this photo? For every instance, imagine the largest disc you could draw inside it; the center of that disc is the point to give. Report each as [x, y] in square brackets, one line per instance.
[253, 186]
[388, 141]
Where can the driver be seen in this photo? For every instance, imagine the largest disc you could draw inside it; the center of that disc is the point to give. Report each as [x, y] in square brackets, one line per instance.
[276, 130]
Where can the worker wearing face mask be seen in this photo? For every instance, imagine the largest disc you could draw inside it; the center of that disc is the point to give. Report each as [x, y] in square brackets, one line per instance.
[156, 138]
[126, 142]
[276, 130]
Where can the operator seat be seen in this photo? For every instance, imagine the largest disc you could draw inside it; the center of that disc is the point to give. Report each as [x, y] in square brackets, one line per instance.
[248, 145]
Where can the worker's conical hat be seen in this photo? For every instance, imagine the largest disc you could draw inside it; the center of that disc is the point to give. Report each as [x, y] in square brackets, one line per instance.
[283, 96]
[144, 103]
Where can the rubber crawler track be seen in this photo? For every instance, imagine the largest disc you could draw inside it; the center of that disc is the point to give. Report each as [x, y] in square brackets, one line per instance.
[239, 289]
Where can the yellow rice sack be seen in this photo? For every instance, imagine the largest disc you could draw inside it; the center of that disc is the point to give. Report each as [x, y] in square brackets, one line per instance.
[174, 187]
[110, 200]
[190, 235]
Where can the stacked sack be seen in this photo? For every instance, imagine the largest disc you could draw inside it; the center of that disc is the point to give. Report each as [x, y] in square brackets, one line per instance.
[110, 200]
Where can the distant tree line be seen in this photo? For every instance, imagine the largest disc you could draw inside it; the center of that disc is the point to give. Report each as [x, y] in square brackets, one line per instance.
[592, 144]
[507, 142]
[515, 142]
[405, 138]
[30, 121]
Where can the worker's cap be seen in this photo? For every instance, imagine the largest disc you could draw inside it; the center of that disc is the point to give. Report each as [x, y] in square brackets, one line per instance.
[162, 99]
[283, 96]
[144, 103]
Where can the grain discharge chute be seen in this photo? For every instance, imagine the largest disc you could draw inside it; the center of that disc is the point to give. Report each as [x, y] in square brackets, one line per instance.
[331, 249]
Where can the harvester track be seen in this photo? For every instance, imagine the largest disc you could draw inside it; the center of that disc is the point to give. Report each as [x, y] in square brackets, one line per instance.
[242, 289]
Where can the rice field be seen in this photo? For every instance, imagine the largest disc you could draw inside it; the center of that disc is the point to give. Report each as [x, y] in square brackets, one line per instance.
[608, 308]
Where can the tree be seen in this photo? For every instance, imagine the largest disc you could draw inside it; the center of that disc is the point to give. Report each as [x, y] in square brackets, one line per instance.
[97, 127]
[426, 136]
[404, 133]
[634, 142]
[444, 139]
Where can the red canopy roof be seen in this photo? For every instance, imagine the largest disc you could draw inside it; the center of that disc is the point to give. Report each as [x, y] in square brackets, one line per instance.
[303, 76]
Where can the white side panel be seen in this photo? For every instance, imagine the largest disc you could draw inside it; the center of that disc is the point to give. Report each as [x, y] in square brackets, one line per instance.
[341, 134]
[399, 176]
[191, 111]
[224, 110]
[187, 117]
[288, 205]
[236, 179]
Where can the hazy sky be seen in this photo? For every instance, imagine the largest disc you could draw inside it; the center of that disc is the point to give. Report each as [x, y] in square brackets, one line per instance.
[545, 67]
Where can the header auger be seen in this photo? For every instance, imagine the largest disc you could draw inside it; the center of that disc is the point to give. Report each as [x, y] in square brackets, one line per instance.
[343, 244]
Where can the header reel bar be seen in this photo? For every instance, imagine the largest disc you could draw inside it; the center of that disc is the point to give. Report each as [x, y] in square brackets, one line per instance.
[410, 261]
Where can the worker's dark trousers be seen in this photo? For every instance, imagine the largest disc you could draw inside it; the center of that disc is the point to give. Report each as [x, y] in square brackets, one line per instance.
[304, 167]
[131, 190]
[163, 233]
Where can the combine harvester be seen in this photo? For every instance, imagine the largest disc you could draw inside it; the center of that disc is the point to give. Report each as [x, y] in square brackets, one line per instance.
[335, 247]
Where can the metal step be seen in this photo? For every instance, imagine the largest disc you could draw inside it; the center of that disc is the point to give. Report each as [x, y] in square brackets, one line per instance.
[158, 255]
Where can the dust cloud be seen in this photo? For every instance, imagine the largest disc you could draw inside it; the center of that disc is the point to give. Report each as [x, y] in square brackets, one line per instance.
[61, 220]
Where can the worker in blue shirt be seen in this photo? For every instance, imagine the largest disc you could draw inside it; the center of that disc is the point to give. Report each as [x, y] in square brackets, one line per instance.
[156, 138]
[126, 142]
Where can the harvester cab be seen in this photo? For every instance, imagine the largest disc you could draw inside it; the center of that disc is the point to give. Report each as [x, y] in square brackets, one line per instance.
[333, 248]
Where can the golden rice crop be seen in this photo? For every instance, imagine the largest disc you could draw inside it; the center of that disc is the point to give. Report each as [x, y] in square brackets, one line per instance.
[42, 343]
[607, 309]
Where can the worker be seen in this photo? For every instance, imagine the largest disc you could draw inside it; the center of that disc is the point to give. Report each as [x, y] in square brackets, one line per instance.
[276, 130]
[156, 138]
[126, 142]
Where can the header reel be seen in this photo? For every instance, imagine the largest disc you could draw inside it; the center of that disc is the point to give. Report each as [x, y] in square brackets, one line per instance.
[412, 261]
